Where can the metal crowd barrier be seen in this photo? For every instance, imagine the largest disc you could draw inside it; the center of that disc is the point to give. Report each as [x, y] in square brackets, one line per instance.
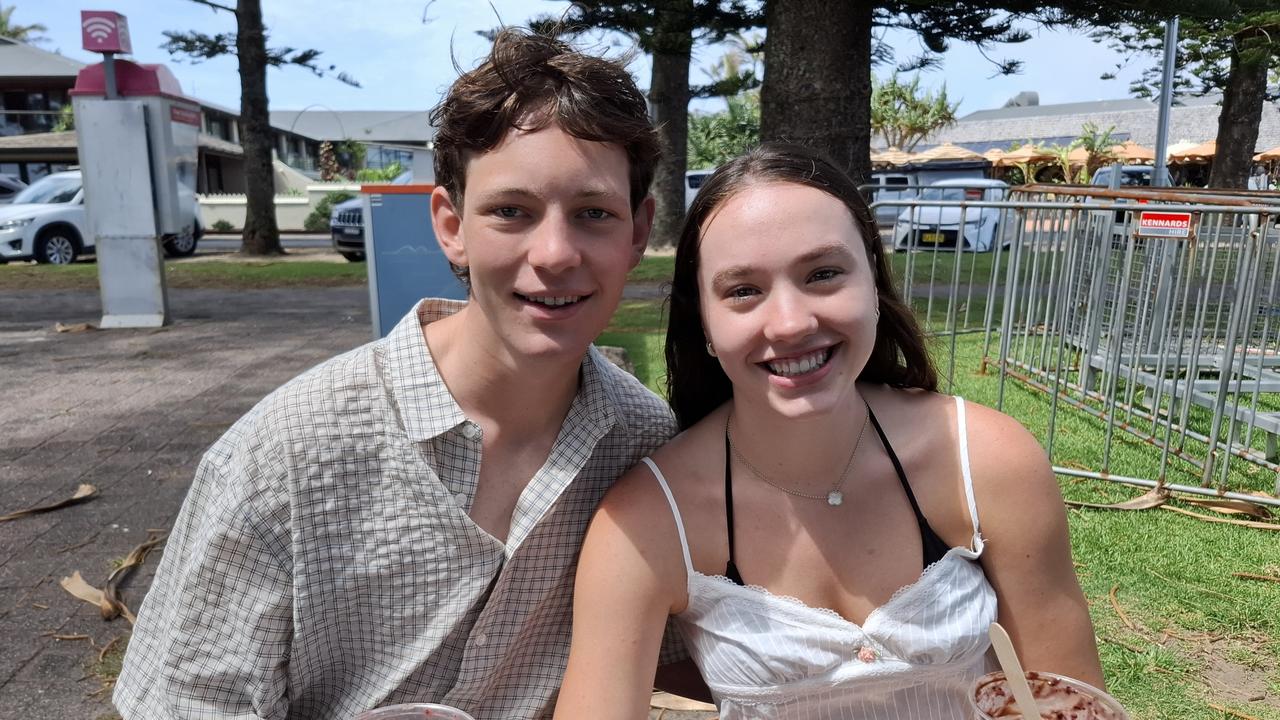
[1155, 311]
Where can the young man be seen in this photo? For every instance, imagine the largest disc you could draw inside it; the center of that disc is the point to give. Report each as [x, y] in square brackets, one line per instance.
[402, 522]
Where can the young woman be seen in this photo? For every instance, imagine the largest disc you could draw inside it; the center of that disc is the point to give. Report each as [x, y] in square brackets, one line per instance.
[831, 535]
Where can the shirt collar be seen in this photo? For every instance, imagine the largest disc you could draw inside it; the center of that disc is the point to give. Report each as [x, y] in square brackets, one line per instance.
[428, 409]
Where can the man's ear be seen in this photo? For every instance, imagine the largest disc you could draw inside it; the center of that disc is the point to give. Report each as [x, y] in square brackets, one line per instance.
[446, 219]
[642, 224]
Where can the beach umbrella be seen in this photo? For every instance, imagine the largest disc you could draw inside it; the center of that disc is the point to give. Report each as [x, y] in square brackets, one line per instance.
[891, 156]
[1266, 155]
[1199, 153]
[1078, 155]
[946, 151]
[1131, 152]
[1024, 154]
[994, 155]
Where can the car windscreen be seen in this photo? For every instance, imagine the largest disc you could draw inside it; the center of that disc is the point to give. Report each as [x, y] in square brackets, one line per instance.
[949, 194]
[49, 190]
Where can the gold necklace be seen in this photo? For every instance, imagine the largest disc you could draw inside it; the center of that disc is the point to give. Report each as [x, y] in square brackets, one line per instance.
[833, 496]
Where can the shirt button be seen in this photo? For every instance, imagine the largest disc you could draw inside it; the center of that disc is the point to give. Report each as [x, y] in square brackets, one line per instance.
[480, 639]
[461, 499]
[470, 430]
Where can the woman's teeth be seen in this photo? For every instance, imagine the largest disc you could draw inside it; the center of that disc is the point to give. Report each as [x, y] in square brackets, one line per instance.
[801, 365]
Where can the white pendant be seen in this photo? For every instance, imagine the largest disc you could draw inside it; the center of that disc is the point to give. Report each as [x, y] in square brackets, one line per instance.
[835, 497]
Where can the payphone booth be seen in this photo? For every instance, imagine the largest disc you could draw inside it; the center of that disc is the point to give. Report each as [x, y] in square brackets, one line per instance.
[137, 145]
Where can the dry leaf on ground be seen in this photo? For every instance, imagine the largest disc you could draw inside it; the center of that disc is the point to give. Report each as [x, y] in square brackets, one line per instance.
[74, 327]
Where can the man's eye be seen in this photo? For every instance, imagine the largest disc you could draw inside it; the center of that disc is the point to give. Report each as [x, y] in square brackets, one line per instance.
[507, 212]
[595, 214]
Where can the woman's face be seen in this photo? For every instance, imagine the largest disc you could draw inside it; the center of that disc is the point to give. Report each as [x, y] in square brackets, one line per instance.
[788, 297]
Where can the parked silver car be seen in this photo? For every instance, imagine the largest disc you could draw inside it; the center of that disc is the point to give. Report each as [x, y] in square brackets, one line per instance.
[938, 226]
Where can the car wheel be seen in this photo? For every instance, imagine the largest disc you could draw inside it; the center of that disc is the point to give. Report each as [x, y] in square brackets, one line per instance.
[353, 256]
[57, 246]
[182, 245]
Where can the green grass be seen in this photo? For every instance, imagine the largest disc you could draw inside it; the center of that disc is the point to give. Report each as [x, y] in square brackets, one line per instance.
[1199, 634]
[654, 268]
[236, 275]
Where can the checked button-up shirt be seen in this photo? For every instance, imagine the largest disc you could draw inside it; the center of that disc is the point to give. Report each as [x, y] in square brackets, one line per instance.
[324, 562]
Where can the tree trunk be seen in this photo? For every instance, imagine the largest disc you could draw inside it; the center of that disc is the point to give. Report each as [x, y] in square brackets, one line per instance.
[1242, 101]
[261, 236]
[669, 100]
[817, 79]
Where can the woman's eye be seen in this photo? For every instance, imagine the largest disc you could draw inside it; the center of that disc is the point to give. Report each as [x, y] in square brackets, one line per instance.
[742, 293]
[825, 274]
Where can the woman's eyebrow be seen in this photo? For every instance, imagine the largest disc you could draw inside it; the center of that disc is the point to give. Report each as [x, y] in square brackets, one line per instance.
[733, 273]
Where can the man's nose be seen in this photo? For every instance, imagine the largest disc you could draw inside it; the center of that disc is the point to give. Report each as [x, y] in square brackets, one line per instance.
[552, 246]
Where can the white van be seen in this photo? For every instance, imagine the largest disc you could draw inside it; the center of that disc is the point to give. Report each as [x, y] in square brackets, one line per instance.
[693, 180]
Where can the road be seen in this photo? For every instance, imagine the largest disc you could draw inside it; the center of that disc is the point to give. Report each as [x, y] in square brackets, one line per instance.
[230, 242]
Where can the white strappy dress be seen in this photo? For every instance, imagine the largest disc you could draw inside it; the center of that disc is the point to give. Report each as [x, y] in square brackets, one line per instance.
[770, 657]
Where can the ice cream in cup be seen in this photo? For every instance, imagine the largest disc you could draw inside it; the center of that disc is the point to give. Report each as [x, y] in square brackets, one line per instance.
[1059, 698]
[415, 711]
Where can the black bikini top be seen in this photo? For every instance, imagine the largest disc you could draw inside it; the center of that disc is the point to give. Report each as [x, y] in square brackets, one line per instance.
[933, 546]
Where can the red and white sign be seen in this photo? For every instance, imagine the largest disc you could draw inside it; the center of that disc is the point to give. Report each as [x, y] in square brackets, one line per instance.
[184, 115]
[1164, 224]
[104, 31]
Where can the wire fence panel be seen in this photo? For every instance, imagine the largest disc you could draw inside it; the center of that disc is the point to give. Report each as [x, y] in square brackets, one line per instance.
[1156, 312]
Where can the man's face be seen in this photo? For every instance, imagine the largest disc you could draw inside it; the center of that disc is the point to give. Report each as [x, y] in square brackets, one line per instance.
[548, 236]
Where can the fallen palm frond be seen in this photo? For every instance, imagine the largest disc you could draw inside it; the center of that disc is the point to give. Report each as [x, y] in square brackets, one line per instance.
[107, 599]
[84, 493]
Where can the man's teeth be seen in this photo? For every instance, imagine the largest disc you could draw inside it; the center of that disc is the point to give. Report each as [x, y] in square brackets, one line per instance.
[801, 365]
[555, 301]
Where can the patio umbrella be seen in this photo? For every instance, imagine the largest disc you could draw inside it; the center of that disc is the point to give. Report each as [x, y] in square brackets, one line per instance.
[1180, 146]
[892, 156]
[1131, 152]
[1078, 156]
[946, 151]
[994, 155]
[1024, 154]
[1200, 153]
[1265, 155]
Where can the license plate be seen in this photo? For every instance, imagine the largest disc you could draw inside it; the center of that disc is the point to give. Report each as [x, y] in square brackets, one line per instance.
[350, 231]
[933, 237]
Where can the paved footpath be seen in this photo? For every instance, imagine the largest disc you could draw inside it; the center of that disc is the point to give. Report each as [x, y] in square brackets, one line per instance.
[131, 412]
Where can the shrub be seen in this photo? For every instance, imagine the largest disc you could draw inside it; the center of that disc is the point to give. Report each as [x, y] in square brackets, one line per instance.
[222, 226]
[318, 220]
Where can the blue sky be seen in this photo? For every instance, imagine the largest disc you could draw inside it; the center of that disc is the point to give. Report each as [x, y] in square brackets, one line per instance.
[404, 63]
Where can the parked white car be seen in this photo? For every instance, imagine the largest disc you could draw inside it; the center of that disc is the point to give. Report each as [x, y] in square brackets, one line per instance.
[926, 226]
[46, 222]
[693, 180]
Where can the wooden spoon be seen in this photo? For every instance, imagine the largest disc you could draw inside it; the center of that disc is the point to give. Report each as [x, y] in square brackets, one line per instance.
[1014, 676]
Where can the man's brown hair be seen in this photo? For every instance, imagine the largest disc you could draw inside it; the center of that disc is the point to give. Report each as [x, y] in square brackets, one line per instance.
[530, 81]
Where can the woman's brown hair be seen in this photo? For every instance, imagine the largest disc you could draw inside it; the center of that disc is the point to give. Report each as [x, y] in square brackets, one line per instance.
[696, 384]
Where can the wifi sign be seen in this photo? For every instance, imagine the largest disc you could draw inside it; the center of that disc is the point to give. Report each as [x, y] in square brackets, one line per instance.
[104, 31]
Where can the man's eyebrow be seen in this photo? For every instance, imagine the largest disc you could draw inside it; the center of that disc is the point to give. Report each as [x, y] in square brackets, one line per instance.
[589, 193]
[735, 272]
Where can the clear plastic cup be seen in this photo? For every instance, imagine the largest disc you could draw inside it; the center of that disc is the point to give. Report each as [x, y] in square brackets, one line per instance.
[1057, 696]
[414, 711]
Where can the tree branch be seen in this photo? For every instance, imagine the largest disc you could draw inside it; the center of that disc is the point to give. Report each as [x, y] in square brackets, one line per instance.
[215, 6]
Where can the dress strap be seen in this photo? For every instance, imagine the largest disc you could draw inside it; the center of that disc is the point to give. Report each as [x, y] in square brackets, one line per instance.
[962, 432]
[675, 512]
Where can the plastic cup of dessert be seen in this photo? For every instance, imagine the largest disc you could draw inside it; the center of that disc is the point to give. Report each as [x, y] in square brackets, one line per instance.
[1058, 697]
[414, 711]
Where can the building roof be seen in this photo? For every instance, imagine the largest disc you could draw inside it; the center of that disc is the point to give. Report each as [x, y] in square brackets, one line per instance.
[22, 60]
[40, 141]
[1194, 119]
[410, 127]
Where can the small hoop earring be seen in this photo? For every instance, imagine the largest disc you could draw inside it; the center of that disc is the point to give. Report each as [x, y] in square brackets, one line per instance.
[710, 350]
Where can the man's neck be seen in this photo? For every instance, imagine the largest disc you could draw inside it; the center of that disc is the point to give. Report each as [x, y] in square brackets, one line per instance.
[516, 396]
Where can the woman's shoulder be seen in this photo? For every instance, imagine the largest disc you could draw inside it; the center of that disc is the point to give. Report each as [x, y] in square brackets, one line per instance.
[681, 465]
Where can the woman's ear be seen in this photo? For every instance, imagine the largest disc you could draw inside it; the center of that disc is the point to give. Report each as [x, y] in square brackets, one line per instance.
[446, 219]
